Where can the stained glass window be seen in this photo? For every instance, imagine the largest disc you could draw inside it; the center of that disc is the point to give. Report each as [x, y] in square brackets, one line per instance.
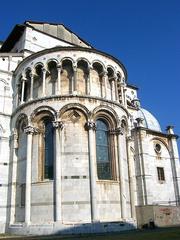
[49, 152]
[102, 150]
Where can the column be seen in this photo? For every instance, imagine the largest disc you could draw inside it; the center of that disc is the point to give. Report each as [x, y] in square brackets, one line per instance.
[59, 79]
[125, 100]
[22, 89]
[105, 79]
[74, 82]
[44, 82]
[132, 177]
[90, 127]
[116, 89]
[175, 166]
[32, 83]
[29, 130]
[89, 84]
[113, 90]
[122, 93]
[58, 149]
[13, 164]
[119, 132]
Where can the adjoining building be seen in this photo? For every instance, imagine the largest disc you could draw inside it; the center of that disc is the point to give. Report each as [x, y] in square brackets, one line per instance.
[77, 151]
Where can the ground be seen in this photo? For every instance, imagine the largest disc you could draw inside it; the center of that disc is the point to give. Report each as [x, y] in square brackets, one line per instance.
[155, 234]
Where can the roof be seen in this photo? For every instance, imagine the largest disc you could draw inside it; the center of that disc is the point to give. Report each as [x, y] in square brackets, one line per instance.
[58, 31]
[149, 121]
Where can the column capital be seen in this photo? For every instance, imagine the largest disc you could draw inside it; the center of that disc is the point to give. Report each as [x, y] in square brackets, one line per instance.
[23, 79]
[90, 125]
[75, 67]
[31, 130]
[105, 73]
[90, 67]
[59, 66]
[44, 70]
[58, 124]
[117, 131]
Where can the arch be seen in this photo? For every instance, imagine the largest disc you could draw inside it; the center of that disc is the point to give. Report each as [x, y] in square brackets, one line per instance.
[44, 111]
[124, 122]
[67, 59]
[83, 59]
[163, 142]
[112, 69]
[21, 117]
[103, 149]
[53, 60]
[67, 76]
[82, 76]
[78, 106]
[107, 112]
[98, 64]
[38, 64]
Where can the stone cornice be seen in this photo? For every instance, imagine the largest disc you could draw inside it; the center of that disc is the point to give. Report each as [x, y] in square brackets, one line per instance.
[64, 97]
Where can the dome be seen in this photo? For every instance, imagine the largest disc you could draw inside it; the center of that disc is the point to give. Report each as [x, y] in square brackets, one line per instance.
[149, 121]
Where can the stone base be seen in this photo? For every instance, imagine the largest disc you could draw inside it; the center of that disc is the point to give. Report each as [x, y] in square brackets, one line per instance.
[58, 228]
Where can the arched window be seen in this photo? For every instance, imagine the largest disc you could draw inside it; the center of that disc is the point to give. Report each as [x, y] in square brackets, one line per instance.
[103, 157]
[48, 149]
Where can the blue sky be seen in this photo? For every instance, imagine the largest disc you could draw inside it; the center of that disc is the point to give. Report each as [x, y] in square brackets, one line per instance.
[143, 34]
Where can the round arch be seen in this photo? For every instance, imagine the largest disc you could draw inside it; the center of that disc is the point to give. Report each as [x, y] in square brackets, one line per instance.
[39, 112]
[77, 106]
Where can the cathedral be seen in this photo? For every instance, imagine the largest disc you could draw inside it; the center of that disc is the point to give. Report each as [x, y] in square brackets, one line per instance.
[78, 153]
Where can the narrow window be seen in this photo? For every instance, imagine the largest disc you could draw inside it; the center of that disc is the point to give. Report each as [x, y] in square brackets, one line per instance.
[48, 150]
[161, 176]
[102, 150]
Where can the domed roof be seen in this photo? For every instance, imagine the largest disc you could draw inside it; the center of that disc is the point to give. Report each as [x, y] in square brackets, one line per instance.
[149, 121]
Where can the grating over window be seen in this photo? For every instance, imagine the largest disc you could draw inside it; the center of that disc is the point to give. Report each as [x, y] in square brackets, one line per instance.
[49, 156]
[102, 150]
[161, 176]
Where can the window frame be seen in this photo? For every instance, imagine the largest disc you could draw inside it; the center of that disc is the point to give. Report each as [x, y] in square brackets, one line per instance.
[161, 174]
[110, 151]
[42, 150]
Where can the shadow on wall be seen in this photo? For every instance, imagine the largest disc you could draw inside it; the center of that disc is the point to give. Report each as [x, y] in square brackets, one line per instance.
[59, 229]
[97, 228]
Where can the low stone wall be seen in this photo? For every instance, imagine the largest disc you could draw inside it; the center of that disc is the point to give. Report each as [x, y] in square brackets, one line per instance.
[157, 216]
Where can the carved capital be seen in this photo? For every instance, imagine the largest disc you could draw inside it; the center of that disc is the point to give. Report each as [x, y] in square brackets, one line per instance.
[58, 124]
[90, 125]
[30, 130]
[117, 131]
[44, 70]
[59, 67]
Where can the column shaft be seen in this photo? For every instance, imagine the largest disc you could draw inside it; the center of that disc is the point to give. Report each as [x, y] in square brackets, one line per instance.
[59, 80]
[44, 82]
[105, 85]
[28, 180]
[113, 91]
[58, 149]
[31, 90]
[92, 170]
[22, 91]
[121, 178]
[12, 201]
